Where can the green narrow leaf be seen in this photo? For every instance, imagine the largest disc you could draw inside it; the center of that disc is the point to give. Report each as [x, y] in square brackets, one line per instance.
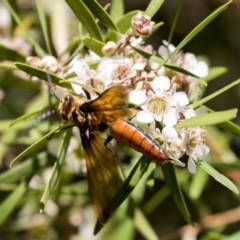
[208, 119]
[234, 236]
[198, 183]
[122, 222]
[11, 201]
[85, 16]
[129, 184]
[101, 14]
[157, 26]
[41, 141]
[200, 26]
[218, 176]
[171, 180]
[181, 70]
[162, 62]
[116, 10]
[213, 95]
[215, 72]
[150, 175]
[7, 66]
[28, 115]
[41, 74]
[175, 18]
[235, 166]
[74, 54]
[153, 7]
[228, 125]
[143, 226]
[24, 169]
[125, 22]
[56, 168]
[43, 22]
[94, 45]
[29, 37]
[72, 44]
[11, 55]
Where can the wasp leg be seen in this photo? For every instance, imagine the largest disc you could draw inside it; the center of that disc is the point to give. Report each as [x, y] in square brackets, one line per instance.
[108, 140]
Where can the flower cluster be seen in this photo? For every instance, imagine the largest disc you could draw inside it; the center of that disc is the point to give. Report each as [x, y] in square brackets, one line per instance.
[161, 95]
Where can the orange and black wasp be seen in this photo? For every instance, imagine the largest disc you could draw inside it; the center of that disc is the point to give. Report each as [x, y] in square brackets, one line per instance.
[108, 110]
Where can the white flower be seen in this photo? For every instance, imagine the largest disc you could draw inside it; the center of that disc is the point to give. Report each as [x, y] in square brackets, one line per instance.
[188, 112]
[179, 99]
[196, 148]
[166, 49]
[164, 102]
[82, 70]
[115, 70]
[176, 148]
[187, 61]
[191, 64]
[140, 64]
[91, 57]
[198, 154]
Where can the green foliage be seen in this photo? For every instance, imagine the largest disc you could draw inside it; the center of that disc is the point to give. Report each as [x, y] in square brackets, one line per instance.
[131, 206]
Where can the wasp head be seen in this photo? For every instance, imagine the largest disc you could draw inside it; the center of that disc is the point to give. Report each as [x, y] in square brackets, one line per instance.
[67, 106]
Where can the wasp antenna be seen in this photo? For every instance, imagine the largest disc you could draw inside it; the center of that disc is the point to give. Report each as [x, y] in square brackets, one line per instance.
[39, 118]
[45, 115]
[51, 86]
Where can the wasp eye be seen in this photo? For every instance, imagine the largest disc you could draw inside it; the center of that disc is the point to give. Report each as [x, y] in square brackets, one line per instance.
[66, 101]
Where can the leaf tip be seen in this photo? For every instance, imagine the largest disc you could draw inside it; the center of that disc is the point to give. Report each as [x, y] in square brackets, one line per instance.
[41, 208]
[12, 163]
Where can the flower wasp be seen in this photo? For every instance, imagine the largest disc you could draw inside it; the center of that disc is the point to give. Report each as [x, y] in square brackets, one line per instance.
[108, 110]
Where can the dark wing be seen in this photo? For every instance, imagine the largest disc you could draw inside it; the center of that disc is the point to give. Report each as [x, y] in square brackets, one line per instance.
[112, 104]
[104, 174]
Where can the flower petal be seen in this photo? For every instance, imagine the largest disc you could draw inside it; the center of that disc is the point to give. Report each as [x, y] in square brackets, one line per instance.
[179, 99]
[171, 117]
[144, 117]
[81, 68]
[191, 166]
[137, 97]
[169, 134]
[160, 84]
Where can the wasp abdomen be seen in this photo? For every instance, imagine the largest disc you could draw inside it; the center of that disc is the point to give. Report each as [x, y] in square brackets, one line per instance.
[135, 137]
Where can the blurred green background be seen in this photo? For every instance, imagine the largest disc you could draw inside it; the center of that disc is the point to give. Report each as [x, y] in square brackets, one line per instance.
[68, 214]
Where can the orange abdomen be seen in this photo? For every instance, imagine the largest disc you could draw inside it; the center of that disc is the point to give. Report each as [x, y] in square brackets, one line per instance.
[134, 137]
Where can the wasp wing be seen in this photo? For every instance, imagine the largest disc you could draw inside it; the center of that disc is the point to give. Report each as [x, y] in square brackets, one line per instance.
[110, 105]
[104, 174]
